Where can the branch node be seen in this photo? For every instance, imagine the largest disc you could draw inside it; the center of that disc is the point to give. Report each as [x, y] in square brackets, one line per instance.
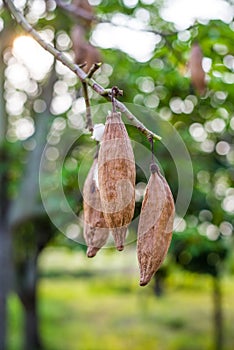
[115, 91]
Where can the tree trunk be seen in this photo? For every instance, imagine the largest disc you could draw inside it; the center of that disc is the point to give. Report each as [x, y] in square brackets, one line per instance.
[5, 249]
[3, 291]
[37, 234]
[218, 317]
[32, 338]
[27, 283]
[6, 267]
[5, 280]
[158, 285]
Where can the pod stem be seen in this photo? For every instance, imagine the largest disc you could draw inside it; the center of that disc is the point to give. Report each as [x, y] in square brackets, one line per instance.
[152, 148]
[115, 91]
[153, 166]
[97, 151]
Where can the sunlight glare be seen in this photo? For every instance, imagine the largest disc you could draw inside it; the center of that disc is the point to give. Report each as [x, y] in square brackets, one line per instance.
[1, 24]
[24, 128]
[17, 75]
[185, 12]
[108, 36]
[15, 102]
[33, 56]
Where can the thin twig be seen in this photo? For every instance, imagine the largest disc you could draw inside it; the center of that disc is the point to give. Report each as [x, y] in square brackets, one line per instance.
[77, 70]
[82, 65]
[93, 69]
[89, 122]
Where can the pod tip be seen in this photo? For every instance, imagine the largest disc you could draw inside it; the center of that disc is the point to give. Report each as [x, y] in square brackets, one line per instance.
[143, 283]
[91, 252]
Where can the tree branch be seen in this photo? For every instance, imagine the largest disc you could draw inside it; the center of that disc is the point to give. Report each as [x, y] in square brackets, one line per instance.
[81, 13]
[77, 70]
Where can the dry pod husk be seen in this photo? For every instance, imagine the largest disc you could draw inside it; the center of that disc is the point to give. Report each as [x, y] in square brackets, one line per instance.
[155, 225]
[116, 176]
[95, 228]
[196, 69]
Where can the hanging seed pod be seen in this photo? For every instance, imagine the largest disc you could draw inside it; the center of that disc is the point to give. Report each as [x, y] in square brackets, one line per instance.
[95, 228]
[116, 175]
[155, 225]
[85, 9]
[84, 51]
[196, 69]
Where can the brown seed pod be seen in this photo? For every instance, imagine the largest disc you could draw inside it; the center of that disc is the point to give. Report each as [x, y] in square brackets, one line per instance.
[84, 51]
[116, 175]
[196, 69]
[155, 225]
[95, 229]
[86, 12]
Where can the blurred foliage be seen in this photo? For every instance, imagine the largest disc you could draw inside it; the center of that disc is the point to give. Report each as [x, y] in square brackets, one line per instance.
[162, 84]
[134, 317]
[197, 253]
[49, 108]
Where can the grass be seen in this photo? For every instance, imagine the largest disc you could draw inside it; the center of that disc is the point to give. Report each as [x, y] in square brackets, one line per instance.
[108, 311]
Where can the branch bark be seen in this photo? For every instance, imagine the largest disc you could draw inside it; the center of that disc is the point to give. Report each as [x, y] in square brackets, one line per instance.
[78, 71]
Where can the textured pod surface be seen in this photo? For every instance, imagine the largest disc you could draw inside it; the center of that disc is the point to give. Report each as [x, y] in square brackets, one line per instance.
[155, 227]
[116, 176]
[95, 228]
